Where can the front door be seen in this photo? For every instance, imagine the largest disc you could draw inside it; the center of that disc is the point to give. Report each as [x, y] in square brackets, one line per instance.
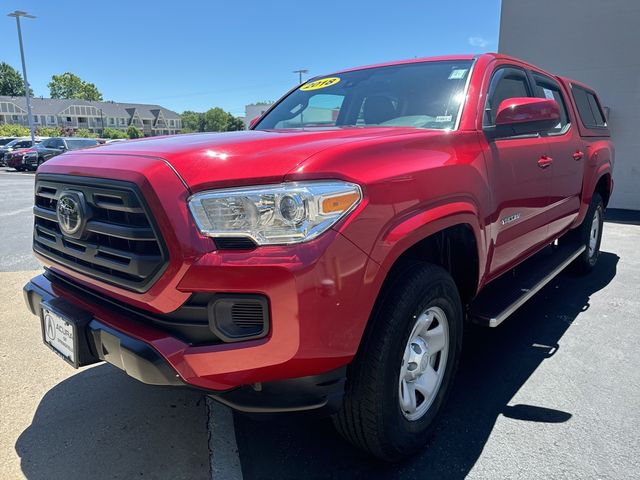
[518, 180]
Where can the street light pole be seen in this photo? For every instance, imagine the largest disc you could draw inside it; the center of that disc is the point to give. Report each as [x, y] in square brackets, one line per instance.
[17, 14]
[300, 72]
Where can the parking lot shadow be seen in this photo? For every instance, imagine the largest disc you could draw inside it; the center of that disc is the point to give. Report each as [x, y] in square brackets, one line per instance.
[102, 424]
[495, 365]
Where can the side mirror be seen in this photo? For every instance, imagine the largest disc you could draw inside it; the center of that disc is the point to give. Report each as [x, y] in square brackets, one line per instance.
[253, 121]
[526, 115]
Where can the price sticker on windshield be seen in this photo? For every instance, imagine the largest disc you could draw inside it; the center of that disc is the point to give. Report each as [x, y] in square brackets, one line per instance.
[318, 84]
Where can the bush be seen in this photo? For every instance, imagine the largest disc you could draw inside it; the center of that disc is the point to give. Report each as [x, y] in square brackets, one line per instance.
[12, 130]
[134, 132]
[48, 132]
[84, 133]
[114, 133]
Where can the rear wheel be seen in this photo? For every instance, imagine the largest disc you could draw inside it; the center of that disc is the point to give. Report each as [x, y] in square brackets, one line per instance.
[589, 234]
[404, 370]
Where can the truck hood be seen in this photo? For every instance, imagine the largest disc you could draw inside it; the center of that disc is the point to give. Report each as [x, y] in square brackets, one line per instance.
[214, 160]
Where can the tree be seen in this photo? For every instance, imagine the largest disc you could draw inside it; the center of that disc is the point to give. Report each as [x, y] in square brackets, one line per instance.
[217, 120]
[69, 85]
[84, 133]
[114, 133]
[235, 124]
[48, 132]
[213, 120]
[134, 132]
[11, 82]
[192, 121]
[12, 130]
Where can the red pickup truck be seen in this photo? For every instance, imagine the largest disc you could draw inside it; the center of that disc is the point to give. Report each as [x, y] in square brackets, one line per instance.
[330, 257]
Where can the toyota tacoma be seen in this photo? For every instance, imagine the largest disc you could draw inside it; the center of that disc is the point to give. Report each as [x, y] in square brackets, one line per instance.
[330, 257]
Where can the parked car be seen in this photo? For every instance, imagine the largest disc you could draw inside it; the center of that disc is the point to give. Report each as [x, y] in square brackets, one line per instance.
[54, 146]
[331, 257]
[15, 144]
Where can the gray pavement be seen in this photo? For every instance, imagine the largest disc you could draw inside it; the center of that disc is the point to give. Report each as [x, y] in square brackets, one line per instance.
[553, 392]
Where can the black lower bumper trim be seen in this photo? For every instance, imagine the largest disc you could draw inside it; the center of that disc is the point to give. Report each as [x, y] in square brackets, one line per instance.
[316, 392]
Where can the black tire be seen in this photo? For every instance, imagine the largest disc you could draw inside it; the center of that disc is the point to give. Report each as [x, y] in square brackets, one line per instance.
[18, 169]
[582, 236]
[371, 416]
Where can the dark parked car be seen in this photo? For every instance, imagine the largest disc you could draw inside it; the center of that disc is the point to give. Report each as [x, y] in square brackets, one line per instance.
[55, 146]
[14, 144]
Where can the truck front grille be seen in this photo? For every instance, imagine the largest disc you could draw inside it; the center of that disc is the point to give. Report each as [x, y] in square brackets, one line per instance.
[118, 243]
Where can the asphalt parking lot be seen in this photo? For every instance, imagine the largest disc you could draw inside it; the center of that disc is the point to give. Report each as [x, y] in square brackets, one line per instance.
[553, 392]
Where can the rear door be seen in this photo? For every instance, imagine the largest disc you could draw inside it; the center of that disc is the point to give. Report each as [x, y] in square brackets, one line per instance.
[567, 169]
[519, 184]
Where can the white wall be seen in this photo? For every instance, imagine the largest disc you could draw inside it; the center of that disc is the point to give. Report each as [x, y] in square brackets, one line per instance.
[598, 43]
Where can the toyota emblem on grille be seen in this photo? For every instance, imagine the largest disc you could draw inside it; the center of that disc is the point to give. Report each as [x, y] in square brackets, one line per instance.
[69, 214]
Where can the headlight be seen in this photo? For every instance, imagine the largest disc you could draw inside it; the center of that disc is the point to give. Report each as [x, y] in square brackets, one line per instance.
[274, 214]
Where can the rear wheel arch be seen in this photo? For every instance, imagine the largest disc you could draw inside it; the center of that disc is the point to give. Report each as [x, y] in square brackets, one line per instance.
[603, 187]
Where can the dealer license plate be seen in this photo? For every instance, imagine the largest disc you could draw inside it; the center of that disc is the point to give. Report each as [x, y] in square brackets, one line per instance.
[59, 334]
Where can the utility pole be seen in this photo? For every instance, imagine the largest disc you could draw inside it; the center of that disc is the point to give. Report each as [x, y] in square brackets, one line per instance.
[17, 14]
[300, 72]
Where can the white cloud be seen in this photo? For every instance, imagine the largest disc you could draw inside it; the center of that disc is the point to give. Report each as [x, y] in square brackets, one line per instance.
[478, 41]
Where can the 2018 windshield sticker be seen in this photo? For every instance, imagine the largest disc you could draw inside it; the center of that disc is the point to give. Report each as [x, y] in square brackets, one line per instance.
[318, 84]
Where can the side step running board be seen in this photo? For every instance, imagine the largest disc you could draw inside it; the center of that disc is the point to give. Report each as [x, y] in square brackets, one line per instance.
[506, 294]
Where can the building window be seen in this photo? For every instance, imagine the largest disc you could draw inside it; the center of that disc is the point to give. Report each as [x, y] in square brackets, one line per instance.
[69, 119]
[122, 121]
[35, 119]
[112, 121]
[51, 119]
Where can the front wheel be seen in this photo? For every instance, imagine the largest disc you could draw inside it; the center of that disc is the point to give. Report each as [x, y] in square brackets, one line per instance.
[402, 375]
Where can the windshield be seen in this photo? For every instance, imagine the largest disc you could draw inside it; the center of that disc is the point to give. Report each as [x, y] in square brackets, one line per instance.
[421, 95]
[18, 142]
[78, 144]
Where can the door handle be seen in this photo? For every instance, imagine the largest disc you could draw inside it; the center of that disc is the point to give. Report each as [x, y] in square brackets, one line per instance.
[577, 155]
[545, 161]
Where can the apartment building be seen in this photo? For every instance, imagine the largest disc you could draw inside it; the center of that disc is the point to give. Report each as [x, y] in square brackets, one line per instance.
[94, 116]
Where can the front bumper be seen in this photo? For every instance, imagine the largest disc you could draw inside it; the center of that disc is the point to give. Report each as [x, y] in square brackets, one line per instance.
[140, 360]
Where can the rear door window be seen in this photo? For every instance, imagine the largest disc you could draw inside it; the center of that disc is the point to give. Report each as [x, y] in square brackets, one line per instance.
[588, 107]
[546, 87]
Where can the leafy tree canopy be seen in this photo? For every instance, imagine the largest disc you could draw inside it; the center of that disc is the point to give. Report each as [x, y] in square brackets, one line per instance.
[11, 82]
[69, 85]
[213, 120]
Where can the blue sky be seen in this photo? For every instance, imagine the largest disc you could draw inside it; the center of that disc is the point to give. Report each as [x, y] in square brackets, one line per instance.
[193, 55]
